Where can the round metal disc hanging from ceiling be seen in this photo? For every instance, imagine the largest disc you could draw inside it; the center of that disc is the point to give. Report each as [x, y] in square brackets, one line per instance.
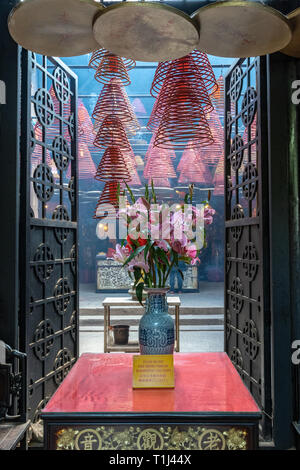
[61, 28]
[240, 28]
[146, 31]
[293, 48]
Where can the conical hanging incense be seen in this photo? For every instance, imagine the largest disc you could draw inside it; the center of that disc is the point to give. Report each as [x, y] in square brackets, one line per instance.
[193, 170]
[159, 165]
[183, 122]
[218, 98]
[170, 152]
[112, 166]
[181, 72]
[86, 165]
[109, 197]
[112, 134]
[113, 170]
[211, 154]
[134, 177]
[85, 125]
[111, 101]
[125, 111]
[98, 55]
[199, 64]
[112, 66]
[218, 179]
[132, 126]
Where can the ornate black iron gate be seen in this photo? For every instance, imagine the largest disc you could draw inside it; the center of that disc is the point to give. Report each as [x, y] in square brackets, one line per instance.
[48, 225]
[247, 311]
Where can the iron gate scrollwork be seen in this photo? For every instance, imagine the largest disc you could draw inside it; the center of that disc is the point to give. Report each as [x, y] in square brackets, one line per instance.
[247, 334]
[48, 230]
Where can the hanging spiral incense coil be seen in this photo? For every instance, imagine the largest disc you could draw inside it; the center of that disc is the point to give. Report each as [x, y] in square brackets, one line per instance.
[183, 122]
[112, 134]
[218, 98]
[112, 166]
[195, 63]
[181, 75]
[126, 113]
[159, 165]
[85, 126]
[112, 66]
[192, 170]
[111, 101]
[134, 177]
[211, 154]
[170, 152]
[86, 165]
[132, 126]
[109, 197]
[98, 55]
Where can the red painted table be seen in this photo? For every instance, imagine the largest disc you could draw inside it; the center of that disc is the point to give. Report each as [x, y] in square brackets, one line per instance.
[96, 408]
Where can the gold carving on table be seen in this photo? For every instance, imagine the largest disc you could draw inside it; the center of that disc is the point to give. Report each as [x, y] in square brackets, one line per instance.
[152, 438]
[65, 439]
[236, 439]
[212, 439]
[88, 439]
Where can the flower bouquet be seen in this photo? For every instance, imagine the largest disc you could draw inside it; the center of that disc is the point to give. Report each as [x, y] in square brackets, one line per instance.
[159, 238]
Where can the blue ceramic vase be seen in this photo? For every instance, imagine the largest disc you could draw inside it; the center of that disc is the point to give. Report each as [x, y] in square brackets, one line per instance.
[156, 329]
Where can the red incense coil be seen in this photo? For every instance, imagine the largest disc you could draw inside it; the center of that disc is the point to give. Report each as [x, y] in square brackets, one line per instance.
[211, 154]
[218, 179]
[218, 98]
[109, 196]
[193, 170]
[112, 166]
[218, 182]
[131, 165]
[181, 76]
[200, 65]
[86, 165]
[170, 152]
[112, 134]
[85, 126]
[98, 55]
[112, 66]
[183, 122]
[111, 101]
[132, 126]
[159, 165]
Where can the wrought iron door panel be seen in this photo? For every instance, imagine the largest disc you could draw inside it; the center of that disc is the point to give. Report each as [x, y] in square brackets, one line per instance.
[246, 299]
[49, 298]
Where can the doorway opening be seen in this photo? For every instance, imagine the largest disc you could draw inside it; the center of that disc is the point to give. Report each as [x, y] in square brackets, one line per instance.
[202, 290]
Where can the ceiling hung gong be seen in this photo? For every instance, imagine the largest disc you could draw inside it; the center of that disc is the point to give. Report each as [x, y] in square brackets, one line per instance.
[146, 31]
[293, 48]
[240, 28]
[60, 28]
